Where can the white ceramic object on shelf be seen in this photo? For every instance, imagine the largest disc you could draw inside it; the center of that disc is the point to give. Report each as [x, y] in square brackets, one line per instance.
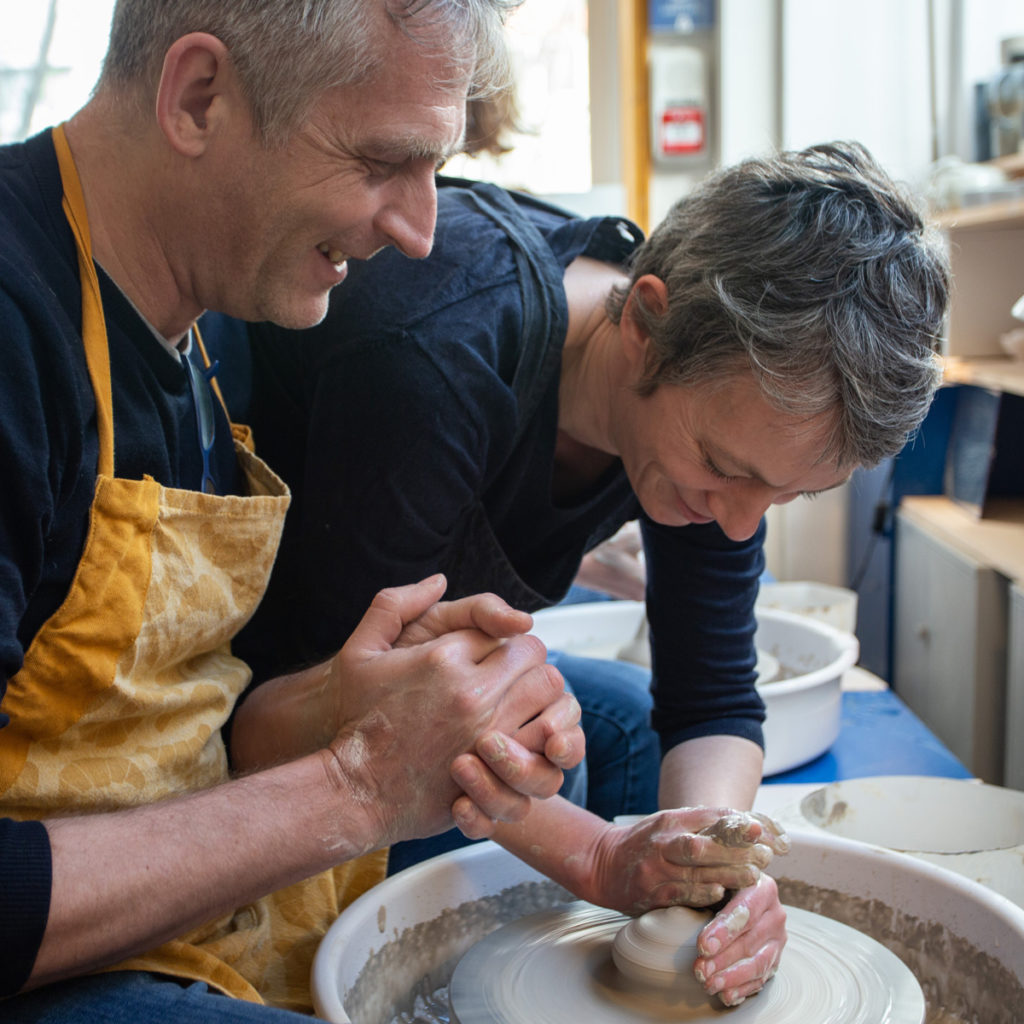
[803, 710]
[405, 935]
[1012, 343]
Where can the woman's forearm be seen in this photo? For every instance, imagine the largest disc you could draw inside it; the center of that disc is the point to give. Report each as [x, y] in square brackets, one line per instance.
[560, 840]
[711, 771]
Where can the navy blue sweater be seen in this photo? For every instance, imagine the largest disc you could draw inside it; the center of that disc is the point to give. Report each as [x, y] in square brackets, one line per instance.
[426, 408]
[48, 457]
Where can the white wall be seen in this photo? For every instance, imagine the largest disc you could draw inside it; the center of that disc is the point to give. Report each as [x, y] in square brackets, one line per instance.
[866, 71]
[749, 78]
[795, 72]
[858, 71]
[76, 52]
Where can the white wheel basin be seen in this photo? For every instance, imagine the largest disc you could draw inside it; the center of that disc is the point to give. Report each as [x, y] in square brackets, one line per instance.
[964, 943]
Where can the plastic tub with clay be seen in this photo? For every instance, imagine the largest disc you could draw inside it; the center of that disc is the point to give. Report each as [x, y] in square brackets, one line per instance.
[802, 692]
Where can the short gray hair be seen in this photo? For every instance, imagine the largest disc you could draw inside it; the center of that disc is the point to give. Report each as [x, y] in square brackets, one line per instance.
[817, 272]
[289, 52]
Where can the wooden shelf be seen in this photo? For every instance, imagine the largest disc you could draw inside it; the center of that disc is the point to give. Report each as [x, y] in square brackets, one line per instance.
[986, 217]
[986, 252]
[993, 372]
[1012, 166]
[996, 541]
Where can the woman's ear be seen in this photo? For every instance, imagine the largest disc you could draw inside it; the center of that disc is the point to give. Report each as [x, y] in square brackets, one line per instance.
[190, 98]
[651, 292]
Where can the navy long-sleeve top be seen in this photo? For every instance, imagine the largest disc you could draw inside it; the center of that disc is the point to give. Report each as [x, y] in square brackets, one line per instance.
[417, 425]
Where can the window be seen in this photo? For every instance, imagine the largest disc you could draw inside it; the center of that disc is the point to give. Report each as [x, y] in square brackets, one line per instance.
[549, 44]
[51, 52]
[50, 57]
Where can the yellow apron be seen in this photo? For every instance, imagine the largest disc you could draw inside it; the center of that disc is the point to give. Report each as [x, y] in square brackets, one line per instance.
[124, 691]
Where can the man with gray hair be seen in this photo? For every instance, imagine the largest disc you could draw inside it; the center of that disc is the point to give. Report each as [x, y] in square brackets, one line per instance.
[158, 825]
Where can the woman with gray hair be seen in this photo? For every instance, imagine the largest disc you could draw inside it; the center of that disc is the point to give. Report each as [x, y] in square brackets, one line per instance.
[497, 410]
[812, 271]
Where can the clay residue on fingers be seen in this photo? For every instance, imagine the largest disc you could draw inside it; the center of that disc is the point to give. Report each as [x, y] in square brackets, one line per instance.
[736, 920]
[733, 830]
[495, 750]
[780, 840]
[729, 830]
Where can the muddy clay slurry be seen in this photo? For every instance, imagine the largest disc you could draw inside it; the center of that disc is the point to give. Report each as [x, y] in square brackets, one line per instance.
[407, 980]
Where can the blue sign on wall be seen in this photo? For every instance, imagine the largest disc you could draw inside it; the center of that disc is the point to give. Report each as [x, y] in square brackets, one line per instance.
[682, 16]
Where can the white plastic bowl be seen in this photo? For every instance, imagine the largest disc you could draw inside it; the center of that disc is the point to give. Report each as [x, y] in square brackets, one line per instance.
[964, 943]
[835, 606]
[803, 712]
[598, 629]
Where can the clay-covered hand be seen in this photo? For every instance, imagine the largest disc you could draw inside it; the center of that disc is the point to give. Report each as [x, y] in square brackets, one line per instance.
[409, 713]
[739, 950]
[555, 734]
[486, 612]
[530, 761]
[693, 856]
[698, 856]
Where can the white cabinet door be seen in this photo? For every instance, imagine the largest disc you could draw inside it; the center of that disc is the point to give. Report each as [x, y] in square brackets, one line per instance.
[1014, 773]
[950, 647]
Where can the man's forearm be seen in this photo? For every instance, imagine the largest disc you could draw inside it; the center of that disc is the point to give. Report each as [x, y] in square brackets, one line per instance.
[128, 881]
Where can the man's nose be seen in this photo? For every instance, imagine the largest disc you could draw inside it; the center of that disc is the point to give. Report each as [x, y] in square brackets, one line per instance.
[409, 215]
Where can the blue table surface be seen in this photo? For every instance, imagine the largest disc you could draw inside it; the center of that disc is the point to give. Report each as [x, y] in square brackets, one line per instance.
[878, 735]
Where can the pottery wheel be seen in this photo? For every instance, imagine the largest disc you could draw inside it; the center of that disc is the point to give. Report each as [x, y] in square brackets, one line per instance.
[556, 966]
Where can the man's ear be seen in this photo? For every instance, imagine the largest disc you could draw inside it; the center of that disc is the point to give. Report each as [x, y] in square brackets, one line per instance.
[191, 94]
[652, 292]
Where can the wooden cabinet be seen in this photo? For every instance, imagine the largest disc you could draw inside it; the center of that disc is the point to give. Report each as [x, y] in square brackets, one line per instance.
[957, 655]
[986, 249]
[958, 607]
[950, 636]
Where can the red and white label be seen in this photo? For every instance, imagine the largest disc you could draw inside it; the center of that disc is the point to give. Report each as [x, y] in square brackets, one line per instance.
[682, 130]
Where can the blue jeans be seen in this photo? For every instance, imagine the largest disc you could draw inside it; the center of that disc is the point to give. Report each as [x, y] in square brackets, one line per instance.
[620, 772]
[623, 751]
[136, 997]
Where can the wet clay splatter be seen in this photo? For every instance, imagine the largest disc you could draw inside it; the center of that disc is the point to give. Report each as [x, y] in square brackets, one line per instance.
[421, 959]
[961, 984]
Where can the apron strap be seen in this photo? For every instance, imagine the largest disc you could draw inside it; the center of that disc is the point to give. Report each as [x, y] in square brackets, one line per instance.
[94, 326]
[542, 290]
